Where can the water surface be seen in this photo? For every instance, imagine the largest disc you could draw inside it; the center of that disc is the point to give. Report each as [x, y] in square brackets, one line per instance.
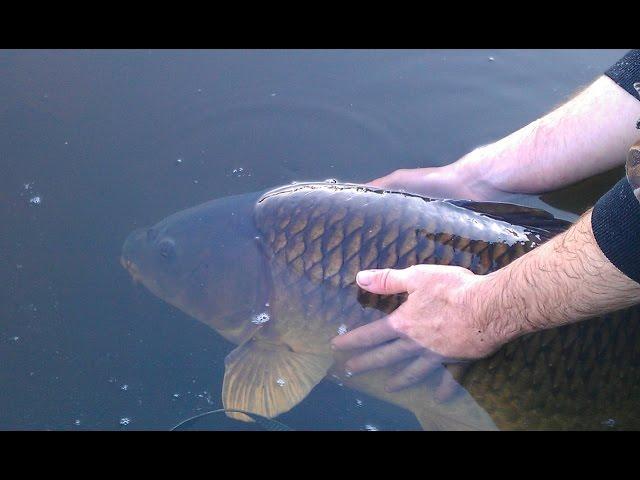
[95, 144]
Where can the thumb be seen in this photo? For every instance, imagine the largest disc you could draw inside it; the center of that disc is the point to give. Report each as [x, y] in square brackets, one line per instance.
[386, 281]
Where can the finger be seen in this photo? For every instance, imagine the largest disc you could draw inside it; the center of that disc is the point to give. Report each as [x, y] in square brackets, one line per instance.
[378, 183]
[368, 335]
[381, 182]
[386, 281]
[383, 356]
[417, 370]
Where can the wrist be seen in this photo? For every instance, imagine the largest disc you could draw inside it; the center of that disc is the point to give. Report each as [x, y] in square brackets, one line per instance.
[473, 172]
[484, 172]
[493, 319]
[504, 313]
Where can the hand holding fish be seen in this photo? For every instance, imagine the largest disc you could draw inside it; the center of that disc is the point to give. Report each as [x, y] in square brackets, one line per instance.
[549, 153]
[442, 320]
[456, 180]
[451, 313]
[295, 251]
[438, 322]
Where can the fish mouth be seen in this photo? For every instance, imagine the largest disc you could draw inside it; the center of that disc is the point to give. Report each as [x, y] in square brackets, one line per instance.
[132, 268]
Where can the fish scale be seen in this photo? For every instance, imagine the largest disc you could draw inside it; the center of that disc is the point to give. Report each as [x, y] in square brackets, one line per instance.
[553, 379]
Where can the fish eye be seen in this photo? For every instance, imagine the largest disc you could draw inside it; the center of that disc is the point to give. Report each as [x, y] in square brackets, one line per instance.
[167, 248]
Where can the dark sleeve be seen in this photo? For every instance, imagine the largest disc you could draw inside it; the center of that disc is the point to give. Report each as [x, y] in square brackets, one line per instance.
[616, 226]
[626, 72]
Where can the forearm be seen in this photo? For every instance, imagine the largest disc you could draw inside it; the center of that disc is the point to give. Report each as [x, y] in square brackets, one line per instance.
[589, 134]
[565, 280]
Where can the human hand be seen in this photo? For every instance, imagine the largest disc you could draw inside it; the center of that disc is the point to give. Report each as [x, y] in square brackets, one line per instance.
[549, 153]
[444, 319]
[469, 178]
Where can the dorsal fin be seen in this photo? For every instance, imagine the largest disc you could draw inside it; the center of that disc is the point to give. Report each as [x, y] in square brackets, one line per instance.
[537, 220]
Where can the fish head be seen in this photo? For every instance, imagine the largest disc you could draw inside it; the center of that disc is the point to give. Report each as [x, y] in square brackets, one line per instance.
[204, 260]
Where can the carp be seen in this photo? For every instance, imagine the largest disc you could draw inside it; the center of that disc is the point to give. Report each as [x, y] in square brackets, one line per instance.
[274, 273]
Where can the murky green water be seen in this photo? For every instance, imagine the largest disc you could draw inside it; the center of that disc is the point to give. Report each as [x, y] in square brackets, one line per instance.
[95, 144]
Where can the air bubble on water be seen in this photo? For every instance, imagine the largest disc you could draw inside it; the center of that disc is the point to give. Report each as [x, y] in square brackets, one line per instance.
[337, 379]
[371, 428]
[125, 421]
[359, 402]
[331, 180]
[240, 172]
[28, 186]
[66, 143]
[77, 421]
[15, 339]
[195, 182]
[179, 161]
[260, 318]
[342, 329]
[491, 59]
[35, 200]
[266, 304]
[124, 387]
[273, 94]
[176, 395]
[281, 381]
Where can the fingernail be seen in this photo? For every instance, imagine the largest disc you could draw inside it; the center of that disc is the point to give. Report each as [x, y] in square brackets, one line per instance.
[364, 278]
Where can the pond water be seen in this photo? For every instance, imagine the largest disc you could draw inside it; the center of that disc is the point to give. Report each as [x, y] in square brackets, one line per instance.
[97, 143]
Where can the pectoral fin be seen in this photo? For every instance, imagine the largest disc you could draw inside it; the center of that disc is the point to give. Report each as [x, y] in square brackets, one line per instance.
[269, 379]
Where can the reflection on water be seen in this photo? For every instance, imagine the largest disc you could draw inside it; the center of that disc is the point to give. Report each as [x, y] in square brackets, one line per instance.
[98, 144]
